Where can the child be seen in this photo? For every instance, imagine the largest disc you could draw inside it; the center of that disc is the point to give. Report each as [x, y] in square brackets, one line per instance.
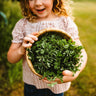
[41, 14]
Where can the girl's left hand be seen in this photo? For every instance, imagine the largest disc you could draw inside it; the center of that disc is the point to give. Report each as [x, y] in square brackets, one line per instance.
[68, 77]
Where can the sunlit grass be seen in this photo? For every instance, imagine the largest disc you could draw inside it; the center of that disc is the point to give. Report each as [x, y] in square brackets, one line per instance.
[85, 18]
[85, 84]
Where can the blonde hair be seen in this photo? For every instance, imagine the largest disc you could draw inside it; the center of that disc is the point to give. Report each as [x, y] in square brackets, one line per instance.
[60, 7]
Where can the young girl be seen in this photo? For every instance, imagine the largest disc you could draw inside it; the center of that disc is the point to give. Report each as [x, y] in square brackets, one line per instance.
[38, 15]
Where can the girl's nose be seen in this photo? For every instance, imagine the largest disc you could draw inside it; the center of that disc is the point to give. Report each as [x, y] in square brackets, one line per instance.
[38, 2]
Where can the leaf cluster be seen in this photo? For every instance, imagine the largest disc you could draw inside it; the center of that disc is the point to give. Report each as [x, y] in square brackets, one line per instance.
[52, 54]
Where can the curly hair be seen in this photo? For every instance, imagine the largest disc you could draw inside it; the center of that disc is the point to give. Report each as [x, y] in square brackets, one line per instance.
[60, 7]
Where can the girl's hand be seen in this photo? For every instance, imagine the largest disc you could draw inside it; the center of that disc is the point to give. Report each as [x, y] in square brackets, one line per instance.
[68, 77]
[28, 41]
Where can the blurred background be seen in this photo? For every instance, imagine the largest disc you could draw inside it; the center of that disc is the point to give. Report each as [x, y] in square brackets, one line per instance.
[11, 83]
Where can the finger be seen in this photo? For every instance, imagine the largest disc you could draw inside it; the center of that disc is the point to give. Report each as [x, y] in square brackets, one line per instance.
[68, 79]
[35, 33]
[27, 39]
[58, 81]
[32, 37]
[27, 45]
[48, 82]
[67, 73]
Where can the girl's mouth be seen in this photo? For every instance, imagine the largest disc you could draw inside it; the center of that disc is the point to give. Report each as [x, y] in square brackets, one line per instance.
[40, 10]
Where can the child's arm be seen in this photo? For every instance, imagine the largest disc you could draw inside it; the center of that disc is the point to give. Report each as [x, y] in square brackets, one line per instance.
[72, 28]
[14, 54]
[17, 50]
[68, 75]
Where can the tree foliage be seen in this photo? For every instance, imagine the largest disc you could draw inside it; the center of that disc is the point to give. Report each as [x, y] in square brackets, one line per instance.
[8, 72]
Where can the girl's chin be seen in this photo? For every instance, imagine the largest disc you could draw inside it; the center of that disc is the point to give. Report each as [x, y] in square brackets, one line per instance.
[42, 16]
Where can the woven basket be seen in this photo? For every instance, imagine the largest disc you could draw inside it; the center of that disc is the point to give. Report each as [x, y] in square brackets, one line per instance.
[62, 32]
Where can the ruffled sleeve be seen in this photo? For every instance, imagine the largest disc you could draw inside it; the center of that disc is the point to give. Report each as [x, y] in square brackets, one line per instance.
[71, 28]
[17, 32]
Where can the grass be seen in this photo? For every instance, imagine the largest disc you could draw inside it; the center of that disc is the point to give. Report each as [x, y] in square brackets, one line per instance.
[85, 84]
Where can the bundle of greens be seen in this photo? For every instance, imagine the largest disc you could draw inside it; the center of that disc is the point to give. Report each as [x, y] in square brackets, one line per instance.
[52, 54]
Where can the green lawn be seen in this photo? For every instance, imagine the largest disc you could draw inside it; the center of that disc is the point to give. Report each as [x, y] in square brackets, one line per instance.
[85, 18]
[85, 84]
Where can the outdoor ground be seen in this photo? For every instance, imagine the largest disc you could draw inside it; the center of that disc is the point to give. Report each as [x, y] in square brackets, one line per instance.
[85, 84]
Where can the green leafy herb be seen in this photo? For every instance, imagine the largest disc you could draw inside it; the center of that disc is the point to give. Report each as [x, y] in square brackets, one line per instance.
[52, 54]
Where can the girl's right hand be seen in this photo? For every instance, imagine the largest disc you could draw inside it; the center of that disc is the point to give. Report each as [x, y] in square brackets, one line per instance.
[28, 41]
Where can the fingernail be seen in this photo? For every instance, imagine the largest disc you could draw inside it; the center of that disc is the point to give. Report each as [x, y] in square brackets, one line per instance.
[33, 41]
[36, 38]
[30, 44]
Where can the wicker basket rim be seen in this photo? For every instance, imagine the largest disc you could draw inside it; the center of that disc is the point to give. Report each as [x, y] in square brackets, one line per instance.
[40, 33]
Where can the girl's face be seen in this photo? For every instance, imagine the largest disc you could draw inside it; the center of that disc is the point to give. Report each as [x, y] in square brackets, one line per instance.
[41, 8]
